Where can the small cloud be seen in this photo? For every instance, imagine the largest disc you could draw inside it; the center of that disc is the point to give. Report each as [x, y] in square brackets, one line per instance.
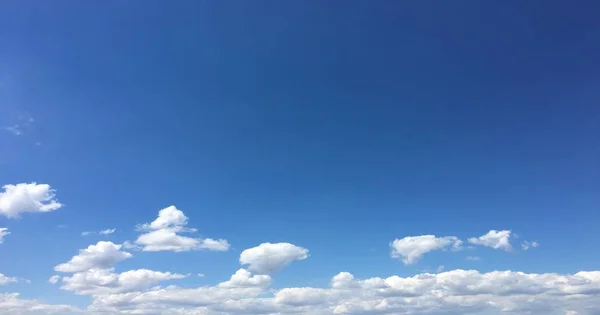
[3, 233]
[473, 258]
[62, 226]
[201, 275]
[527, 245]
[441, 268]
[15, 130]
[38, 143]
[494, 239]
[30, 120]
[107, 231]
[54, 279]
[103, 232]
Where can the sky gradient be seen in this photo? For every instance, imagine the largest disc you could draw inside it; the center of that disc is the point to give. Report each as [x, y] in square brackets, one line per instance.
[339, 157]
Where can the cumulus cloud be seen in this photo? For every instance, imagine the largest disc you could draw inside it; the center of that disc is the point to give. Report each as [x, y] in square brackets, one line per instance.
[106, 281]
[164, 234]
[6, 280]
[494, 239]
[103, 255]
[21, 198]
[527, 245]
[268, 258]
[412, 248]
[3, 233]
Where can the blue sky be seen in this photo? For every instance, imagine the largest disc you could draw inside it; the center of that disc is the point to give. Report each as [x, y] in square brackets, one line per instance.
[333, 127]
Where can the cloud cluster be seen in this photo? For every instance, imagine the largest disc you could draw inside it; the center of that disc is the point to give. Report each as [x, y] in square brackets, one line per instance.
[22, 198]
[11, 303]
[454, 292]
[93, 272]
[165, 234]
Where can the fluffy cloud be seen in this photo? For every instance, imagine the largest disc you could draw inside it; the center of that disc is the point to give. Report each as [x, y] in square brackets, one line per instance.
[21, 198]
[412, 248]
[268, 258]
[455, 292]
[3, 233]
[494, 239]
[527, 245]
[164, 234]
[5, 280]
[105, 281]
[103, 255]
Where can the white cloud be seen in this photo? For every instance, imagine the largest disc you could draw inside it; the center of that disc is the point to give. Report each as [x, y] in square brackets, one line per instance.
[103, 255]
[3, 233]
[54, 279]
[86, 233]
[200, 275]
[412, 248]
[268, 258]
[105, 281]
[6, 280]
[21, 198]
[15, 130]
[527, 245]
[473, 258]
[163, 234]
[107, 231]
[568, 312]
[494, 239]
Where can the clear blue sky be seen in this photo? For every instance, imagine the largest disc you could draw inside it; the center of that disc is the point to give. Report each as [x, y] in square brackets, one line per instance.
[335, 126]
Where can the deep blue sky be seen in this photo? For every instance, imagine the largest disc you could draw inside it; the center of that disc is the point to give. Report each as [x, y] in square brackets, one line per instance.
[335, 125]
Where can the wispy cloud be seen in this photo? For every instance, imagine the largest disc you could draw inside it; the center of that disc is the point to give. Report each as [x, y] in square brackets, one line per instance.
[527, 245]
[15, 130]
[103, 232]
[107, 231]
